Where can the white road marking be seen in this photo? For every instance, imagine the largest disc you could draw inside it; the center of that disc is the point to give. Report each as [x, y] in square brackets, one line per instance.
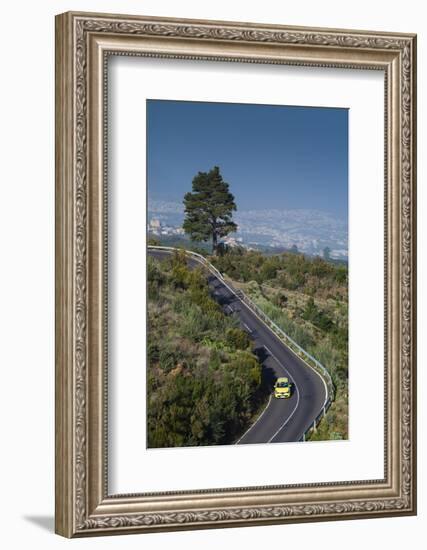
[230, 308]
[298, 395]
[247, 328]
[259, 418]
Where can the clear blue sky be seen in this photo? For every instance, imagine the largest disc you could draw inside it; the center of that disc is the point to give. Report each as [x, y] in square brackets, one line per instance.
[272, 156]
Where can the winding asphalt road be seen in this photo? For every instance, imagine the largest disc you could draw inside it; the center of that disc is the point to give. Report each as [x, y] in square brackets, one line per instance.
[282, 419]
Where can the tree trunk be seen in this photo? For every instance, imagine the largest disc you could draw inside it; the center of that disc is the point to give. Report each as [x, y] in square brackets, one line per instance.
[214, 242]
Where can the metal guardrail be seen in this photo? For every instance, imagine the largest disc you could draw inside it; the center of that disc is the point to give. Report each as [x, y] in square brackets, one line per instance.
[291, 344]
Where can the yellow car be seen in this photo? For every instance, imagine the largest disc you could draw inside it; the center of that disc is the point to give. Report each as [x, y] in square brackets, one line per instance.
[282, 388]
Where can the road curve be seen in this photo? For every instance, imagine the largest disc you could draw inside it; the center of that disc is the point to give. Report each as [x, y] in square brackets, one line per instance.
[281, 420]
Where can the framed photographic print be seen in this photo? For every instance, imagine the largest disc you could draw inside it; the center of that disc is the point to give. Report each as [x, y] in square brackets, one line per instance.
[235, 274]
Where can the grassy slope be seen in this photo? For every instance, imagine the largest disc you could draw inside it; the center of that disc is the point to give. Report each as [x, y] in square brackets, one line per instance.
[204, 384]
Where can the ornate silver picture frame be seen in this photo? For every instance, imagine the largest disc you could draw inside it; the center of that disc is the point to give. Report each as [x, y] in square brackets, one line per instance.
[84, 42]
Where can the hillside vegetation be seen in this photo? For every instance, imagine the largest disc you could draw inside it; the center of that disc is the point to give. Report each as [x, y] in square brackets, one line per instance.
[308, 299]
[204, 383]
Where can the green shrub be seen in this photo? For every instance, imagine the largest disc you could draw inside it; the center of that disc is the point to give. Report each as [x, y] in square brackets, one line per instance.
[167, 358]
[341, 275]
[237, 338]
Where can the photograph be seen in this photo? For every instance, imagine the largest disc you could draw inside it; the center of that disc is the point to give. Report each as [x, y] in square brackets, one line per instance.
[247, 273]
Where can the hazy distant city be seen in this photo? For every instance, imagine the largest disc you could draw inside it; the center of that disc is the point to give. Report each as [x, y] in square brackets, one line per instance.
[310, 231]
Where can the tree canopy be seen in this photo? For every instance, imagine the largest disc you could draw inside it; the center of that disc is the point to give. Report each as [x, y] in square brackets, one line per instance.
[209, 208]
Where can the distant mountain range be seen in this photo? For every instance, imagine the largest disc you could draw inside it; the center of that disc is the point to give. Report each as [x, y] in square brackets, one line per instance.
[310, 230]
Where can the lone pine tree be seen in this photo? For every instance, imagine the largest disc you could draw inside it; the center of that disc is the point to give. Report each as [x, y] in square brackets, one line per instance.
[209, 208]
